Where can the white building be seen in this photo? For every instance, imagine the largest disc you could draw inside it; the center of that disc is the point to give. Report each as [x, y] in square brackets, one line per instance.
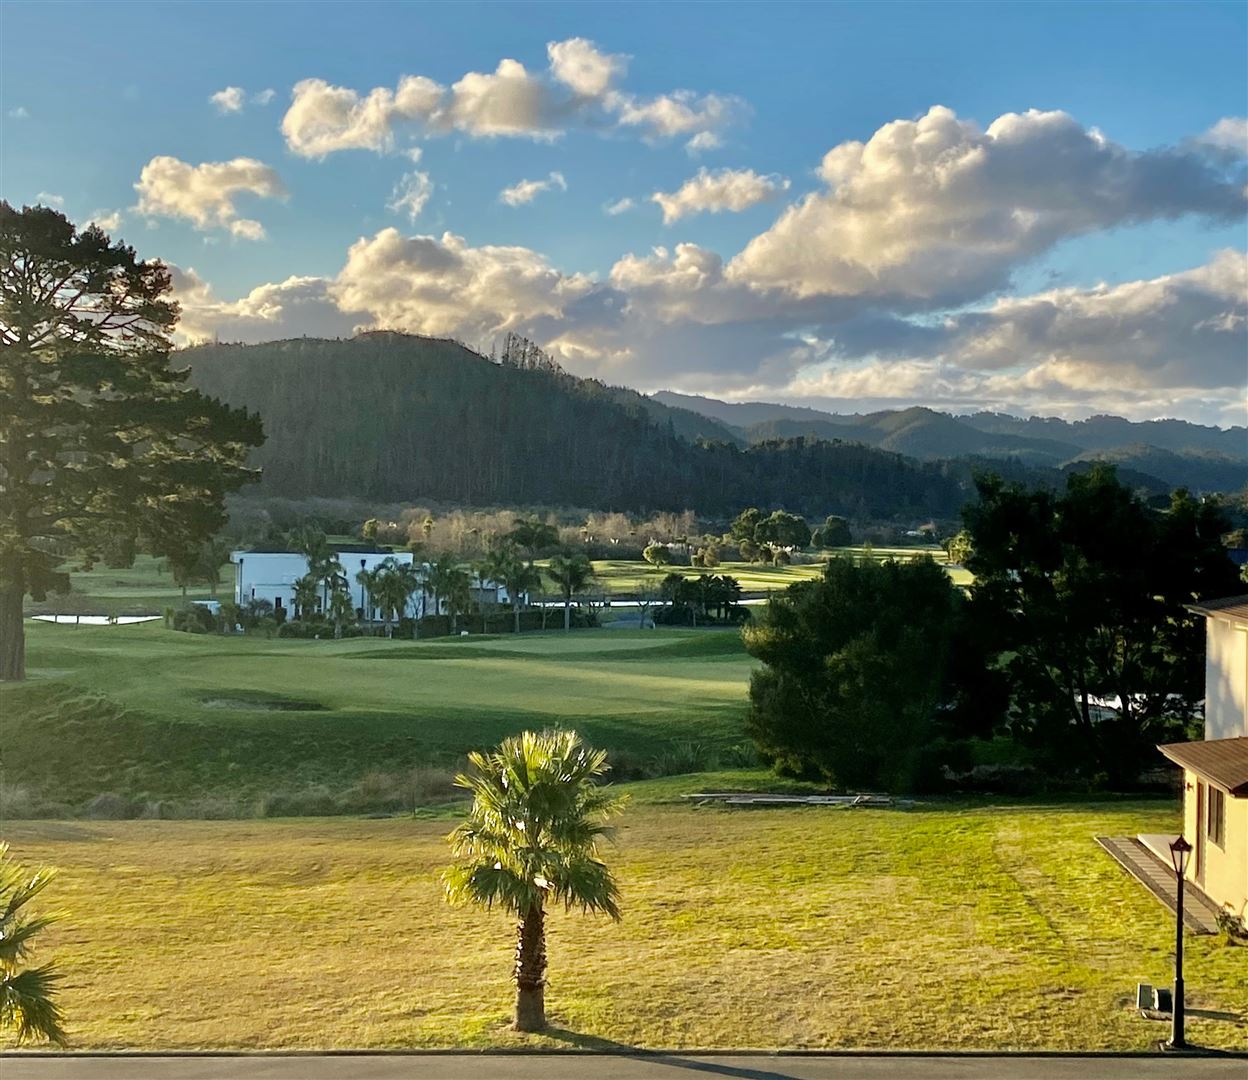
[271, 576]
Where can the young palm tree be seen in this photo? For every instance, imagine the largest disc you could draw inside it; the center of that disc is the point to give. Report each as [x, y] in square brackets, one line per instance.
[531, 839]
[505, 566]
[341, 610]
[307, 591]
[572, 573]
[27, 995]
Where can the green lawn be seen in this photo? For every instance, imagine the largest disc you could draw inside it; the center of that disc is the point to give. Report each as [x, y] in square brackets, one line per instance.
[949, 927]
[151, 714]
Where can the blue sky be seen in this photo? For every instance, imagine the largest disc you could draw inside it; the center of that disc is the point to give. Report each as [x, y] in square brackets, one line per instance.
[93, 93]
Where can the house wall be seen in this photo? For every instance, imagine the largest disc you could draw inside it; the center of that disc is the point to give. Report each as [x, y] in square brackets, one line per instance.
[271, 576]
[1226, 679]
[1226, 867]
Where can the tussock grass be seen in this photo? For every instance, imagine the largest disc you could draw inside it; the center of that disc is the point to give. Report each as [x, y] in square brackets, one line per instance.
[952, 927]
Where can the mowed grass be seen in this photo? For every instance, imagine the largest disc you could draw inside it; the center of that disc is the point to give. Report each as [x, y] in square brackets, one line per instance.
[941, 927]
[154, 714]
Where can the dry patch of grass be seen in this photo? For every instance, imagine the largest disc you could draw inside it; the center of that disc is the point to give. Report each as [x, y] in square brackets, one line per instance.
[942, 927]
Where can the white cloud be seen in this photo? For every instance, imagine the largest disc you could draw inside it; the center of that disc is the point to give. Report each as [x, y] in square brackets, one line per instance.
[205, 194]
[411, 194]
[680, 113]
[937, 211]
[443, 287]
[525, 191]
[108, 220]
[1229, 133]
[703, 141]
[578, 63]
[46, 198]
[229, 100]
[576, 90]
[19, 112]
[715, 192]
[620, 206]
[233, 99]
[290, 308]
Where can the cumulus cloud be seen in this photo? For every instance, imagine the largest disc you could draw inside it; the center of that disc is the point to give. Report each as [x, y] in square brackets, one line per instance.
[579, 64]
[290, 308]
[108, 220]
[411, 194]
[703, 141]
[205, 194]
[1151, 347]
[715, 192]
[19, 112]
[46, 198]
[229, 100]
[936, 211]
[442, 286]
[525, 191]
[577, 89]
[1229, 133]
[620, 206]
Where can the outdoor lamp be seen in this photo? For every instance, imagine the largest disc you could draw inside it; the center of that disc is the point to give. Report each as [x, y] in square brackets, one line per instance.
[1180, 853]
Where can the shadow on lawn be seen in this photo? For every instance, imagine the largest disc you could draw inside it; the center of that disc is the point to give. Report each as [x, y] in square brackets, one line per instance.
[593, 1042]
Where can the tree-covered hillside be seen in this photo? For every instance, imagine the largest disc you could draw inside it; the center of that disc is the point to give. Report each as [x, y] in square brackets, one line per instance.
[394, 417]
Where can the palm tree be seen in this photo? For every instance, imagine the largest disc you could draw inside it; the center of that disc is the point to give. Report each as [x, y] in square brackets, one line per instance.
[503, 565]
[533, 534]
[307, 591]
[341, 611]
[393, 585]
[531, 839]
[572, 572]
[368, 580]
[27, 995]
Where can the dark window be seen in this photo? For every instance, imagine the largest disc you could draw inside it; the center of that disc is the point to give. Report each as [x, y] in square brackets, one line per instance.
[1215, 827]
[277, 601]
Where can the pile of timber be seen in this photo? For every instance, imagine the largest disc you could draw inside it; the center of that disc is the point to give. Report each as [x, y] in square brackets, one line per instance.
[742, 798]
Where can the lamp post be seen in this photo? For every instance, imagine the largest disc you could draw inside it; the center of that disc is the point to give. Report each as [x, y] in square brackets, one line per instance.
[1180, 852]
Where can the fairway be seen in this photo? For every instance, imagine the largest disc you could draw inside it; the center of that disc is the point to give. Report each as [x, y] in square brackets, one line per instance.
[155, 715]
[949, 927]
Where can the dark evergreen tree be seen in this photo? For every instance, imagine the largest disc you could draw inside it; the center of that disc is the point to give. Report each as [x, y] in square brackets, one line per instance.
[99, 433]
[1083, 594]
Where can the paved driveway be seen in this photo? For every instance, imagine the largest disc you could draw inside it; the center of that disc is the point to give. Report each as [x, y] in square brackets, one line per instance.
[615, 1067]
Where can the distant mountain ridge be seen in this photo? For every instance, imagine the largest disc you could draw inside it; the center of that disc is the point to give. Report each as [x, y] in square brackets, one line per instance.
[1176, 452]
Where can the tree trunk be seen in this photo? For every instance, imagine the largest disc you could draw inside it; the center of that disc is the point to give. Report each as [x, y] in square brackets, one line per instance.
[567, 614]
[530, 972]
[515, 608]
[12, 635]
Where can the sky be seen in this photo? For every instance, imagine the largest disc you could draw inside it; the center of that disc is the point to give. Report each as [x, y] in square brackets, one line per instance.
[1030, 208]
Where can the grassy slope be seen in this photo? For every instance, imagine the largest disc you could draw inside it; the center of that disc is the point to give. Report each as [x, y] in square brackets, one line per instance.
[939, 927]
[154, 714]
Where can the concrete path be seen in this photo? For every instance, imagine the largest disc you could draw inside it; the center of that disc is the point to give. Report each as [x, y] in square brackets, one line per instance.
[1200, 916]
[674, 1066]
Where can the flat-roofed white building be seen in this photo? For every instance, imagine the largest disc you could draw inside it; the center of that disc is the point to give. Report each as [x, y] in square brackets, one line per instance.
[271, 576]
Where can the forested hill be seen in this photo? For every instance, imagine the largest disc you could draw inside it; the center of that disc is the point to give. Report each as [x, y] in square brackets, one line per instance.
[395, 417]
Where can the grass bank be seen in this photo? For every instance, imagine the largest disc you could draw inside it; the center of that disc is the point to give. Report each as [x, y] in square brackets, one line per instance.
[951, 927]
[173, 724]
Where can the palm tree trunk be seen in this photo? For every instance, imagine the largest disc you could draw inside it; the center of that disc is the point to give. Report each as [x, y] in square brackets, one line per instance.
[567, 614]
[515, 608]
[530, 973]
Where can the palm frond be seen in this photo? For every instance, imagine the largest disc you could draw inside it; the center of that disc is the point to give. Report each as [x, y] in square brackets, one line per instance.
[28, 1005]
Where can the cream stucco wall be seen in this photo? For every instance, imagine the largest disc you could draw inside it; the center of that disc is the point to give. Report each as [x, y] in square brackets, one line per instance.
[1226, 867]
[1226, 679]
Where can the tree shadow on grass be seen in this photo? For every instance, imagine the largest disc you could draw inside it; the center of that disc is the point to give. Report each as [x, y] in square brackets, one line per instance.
[582, 1041]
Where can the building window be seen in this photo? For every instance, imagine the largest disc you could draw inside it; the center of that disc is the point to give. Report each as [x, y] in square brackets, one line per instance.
[1215, 823]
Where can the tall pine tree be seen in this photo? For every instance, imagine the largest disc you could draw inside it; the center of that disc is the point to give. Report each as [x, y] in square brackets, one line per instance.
[99, 434]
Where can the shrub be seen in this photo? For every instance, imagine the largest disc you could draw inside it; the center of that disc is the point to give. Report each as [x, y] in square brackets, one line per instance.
[194, 619]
